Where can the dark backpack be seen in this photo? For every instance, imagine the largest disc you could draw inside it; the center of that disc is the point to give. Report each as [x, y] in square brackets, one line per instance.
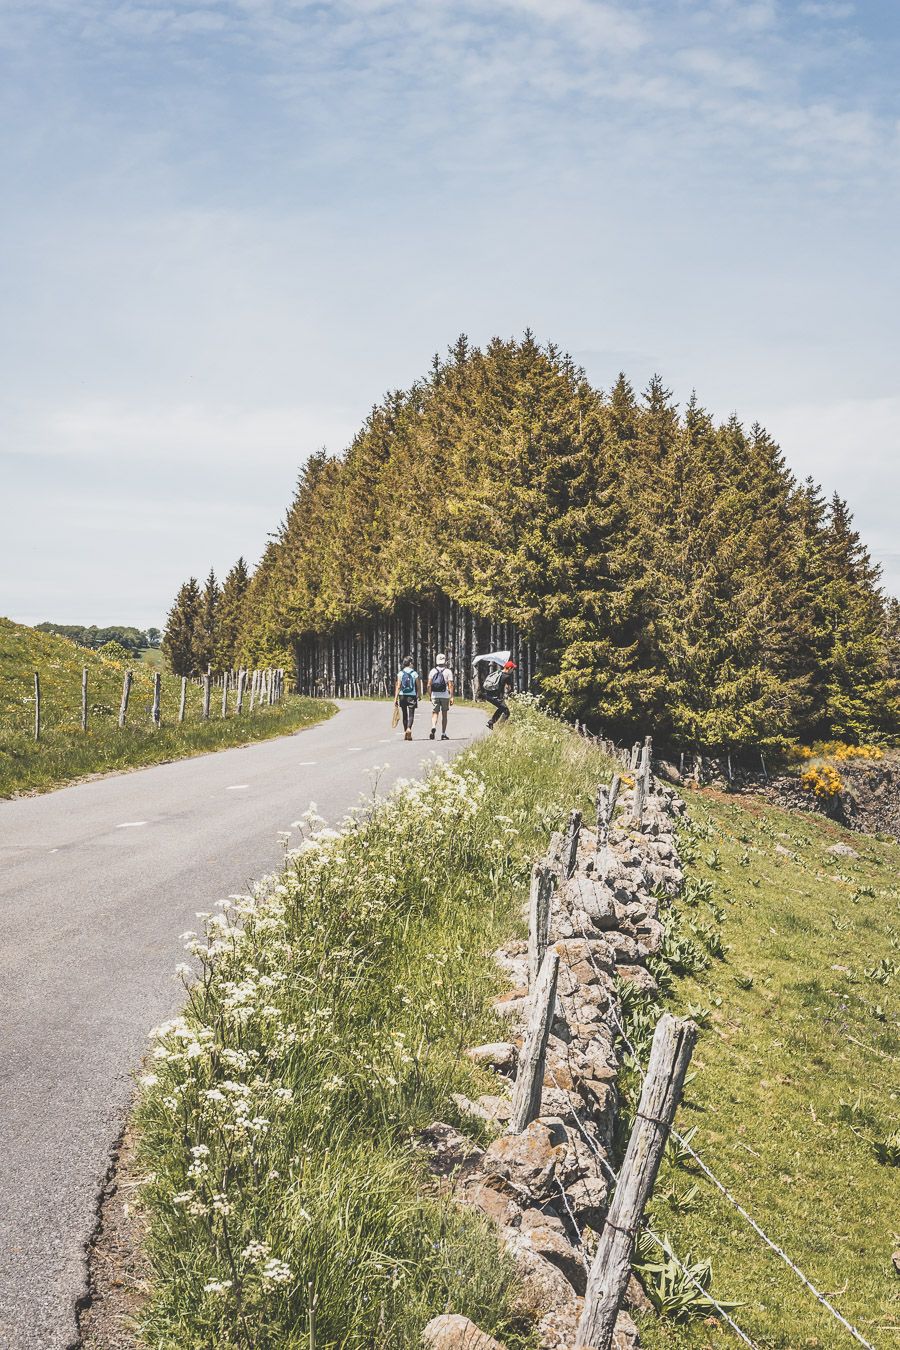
[438, 681]
[407, 682]
[492, 683]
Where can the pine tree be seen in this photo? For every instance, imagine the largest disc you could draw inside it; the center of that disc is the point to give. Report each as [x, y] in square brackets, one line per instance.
[182, 624]
[205, 648]
[230, 615]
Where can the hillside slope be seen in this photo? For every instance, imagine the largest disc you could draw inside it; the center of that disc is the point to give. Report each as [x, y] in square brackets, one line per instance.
[65, 751]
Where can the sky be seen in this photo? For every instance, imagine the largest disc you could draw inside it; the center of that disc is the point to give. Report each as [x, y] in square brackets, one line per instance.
[230, 226]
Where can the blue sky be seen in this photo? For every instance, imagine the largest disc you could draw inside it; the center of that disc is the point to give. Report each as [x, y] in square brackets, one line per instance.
[230, 225]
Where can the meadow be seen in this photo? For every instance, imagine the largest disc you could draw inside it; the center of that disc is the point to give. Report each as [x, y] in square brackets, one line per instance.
[65, 752]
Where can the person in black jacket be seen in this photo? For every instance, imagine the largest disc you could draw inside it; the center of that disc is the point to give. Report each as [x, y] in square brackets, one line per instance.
[497, 685]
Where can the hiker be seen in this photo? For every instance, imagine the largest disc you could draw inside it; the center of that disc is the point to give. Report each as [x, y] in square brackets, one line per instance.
[440, 690]
[407, 693]
[495, 689]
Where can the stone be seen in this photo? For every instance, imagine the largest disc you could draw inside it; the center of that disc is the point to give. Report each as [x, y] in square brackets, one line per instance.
[666, 769]
[895, 1261]
[842, 851]
[640, 977]
[555, 1247]
[588, 1198]
[511, 1005]
[625, 1336]
[783, 852]
[493, 1110]
[528, 1159]
[451, 1331]
[595, 952]
[635, 1299]
[451, 1152]
[626, 949]
[543, 1288]
[592, 898]
[494, 1197]
[497, 1054]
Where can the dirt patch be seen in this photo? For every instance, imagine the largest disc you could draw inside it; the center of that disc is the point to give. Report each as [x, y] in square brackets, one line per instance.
[118, 1268]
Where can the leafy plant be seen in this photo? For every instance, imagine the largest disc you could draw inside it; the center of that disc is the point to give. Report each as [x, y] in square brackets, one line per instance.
[677, 1288]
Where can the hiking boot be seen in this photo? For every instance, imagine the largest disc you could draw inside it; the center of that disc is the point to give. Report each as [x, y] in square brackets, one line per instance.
[431, 734]
[445, 737]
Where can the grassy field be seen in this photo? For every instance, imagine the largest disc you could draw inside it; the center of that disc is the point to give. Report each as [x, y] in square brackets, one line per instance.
[278, 1118]
[797, 1077]
[65, 752]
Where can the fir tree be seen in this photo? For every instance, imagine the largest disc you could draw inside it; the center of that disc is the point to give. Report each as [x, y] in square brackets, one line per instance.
[182, 625]
[230, 615]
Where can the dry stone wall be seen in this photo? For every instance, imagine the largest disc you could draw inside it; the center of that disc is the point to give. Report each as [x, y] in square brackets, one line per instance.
[547, 1188]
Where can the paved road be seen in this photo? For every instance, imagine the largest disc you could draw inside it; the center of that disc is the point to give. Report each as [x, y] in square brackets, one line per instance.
[97, 881]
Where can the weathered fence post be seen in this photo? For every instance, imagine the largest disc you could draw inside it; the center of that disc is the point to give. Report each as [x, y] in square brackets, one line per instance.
[648, 756]
[253, 688]
[157, 690]
[183, 698]
[207, 682]
[542, 880]
[635, 755]
[225, 694]
[614, 786]
[84, 698]
[526, 1103]
[126, 691]
[239, 700]
[673, 1045]
[637, 807]
[602, 815]
[37, 706]
[570, 848]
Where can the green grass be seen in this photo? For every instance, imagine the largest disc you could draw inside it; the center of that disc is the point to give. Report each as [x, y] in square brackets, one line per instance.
[65, 752]
[796, 1080]
[339, 1014]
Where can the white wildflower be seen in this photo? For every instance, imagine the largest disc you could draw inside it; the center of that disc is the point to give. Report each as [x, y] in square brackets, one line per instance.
[217, 1287]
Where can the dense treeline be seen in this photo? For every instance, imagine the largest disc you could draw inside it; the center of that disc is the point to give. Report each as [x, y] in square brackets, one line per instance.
[132, 639]
[203, 626]
[659, 570]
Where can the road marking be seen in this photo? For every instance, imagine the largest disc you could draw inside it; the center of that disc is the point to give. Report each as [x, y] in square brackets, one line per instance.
[353, 749]
[237, 787]
[306, 763]
[54, 850]
[130, 824]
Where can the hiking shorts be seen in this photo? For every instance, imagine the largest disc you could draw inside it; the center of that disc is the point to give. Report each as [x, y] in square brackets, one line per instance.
[440, 702]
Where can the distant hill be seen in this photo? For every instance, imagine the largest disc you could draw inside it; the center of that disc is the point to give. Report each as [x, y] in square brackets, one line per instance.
[132, 639]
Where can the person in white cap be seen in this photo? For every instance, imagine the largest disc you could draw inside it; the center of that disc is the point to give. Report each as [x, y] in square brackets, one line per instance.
[440, 690]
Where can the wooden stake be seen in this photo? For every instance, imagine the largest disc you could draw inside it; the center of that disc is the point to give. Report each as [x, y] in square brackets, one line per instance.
[126, 691]
[183, 698]
[542, 882]
[526, 1104]
[648, 755]
[84, 698]
[157, 690]
[207, 682]
[239, 701]
[637, 809]
[673, 1045]
[614, 786]
[225, 694]
[570, 850]
[37, 706]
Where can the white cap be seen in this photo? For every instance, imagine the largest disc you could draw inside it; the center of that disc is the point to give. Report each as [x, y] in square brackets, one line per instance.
[440, 659]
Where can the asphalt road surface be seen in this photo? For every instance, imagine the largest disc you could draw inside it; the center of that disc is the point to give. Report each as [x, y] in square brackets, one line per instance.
[97, 882]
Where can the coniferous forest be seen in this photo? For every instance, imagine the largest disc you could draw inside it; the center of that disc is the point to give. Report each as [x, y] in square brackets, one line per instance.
[650, 568]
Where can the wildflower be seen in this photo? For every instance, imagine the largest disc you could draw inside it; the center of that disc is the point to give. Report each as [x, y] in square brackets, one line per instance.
[217, 1287]
[200, 1151]
[255, 1252]
[276, 1272]
[148, 1080]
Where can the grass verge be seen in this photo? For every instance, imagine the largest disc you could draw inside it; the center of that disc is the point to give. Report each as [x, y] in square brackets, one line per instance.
[795, 1086]
[328, 1026]
[65, 752]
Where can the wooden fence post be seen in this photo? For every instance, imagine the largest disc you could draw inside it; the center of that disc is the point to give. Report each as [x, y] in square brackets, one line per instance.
[602, 815]
[526, 1103]
[206, 694]
[648, 756]
[37, 706]
[614, 786]
[253, 675]
[225, 694]
[183, 698]
[157, 690]
[542, 880]
[673, 1045]
[84, 698]
[239, 701]
[637, 808]
[570, 849]
[126, 691]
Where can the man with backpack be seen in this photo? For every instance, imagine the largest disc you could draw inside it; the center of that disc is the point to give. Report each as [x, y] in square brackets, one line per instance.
[407, 693]
[440, 691]
[495, 689]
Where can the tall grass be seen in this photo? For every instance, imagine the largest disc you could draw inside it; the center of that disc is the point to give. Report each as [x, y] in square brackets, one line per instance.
[65, 752]
[327, 1026]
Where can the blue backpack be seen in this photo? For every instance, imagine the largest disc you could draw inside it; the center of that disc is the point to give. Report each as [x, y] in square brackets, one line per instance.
[408, 679]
